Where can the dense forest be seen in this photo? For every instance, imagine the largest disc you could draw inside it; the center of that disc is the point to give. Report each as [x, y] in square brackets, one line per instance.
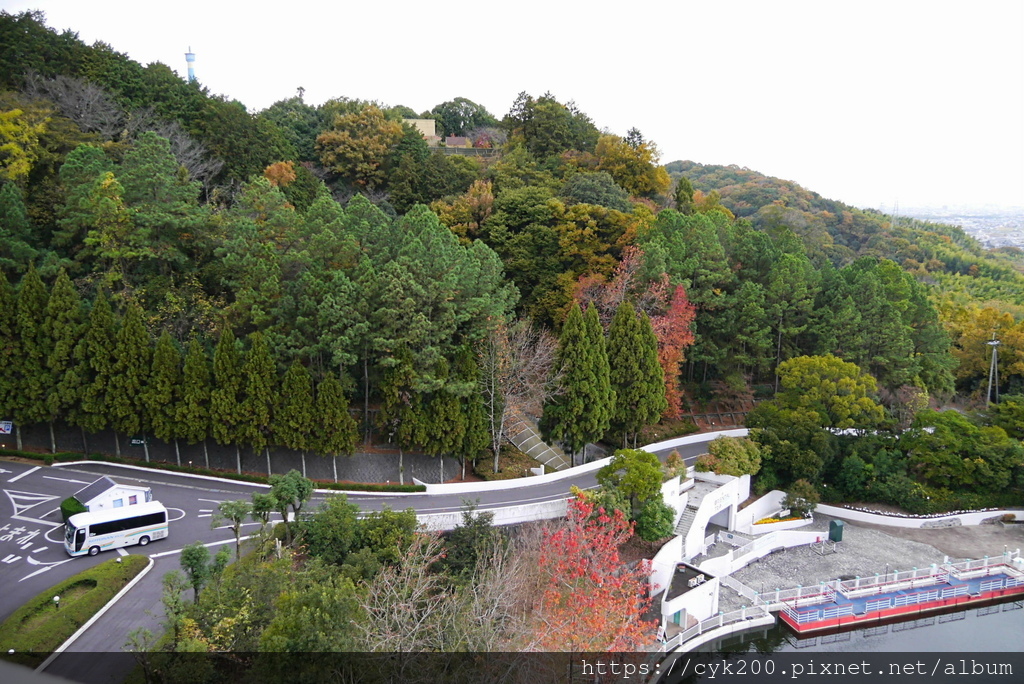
[177, 265]
[308, 276]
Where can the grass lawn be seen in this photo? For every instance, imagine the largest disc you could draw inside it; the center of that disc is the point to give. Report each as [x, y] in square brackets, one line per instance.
[36, 629]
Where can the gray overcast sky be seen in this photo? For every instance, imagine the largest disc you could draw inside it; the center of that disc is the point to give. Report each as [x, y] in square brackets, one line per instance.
[867, 102]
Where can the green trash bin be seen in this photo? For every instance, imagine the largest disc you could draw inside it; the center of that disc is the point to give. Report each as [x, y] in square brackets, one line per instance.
[835, 531]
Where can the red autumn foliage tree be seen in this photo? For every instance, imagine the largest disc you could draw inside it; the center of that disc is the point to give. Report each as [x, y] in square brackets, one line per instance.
[674, 331]
[591, 601]
[669, 309]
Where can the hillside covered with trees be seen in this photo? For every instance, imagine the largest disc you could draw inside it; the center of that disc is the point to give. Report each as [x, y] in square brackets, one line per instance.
[179, 266]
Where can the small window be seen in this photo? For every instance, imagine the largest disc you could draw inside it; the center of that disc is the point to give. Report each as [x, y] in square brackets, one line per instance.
[118, 503]
[132, 500]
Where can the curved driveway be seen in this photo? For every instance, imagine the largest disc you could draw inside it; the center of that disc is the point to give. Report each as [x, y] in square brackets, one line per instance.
[31, 502]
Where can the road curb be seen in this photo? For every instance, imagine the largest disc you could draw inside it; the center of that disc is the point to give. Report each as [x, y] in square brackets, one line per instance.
[110, 604]
[212, 478]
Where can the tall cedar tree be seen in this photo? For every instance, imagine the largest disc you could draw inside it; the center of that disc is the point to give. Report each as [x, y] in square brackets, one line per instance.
[225, 398]
[131, 374]
[193, 414]
[260, 395]
[337, 431]
[295, 419]
[466, 380]
[442, 427]
[581, 412]
[32, 349]
[163, 392]
[64, 327]
[8, 346]
[399, 406]
[636, 376]
[590, 601]
[97, 363]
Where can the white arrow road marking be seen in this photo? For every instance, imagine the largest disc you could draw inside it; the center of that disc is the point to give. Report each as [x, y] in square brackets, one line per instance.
[2, 471]
[64, 479]
[22, 501]
[46, 566]
[27, 472]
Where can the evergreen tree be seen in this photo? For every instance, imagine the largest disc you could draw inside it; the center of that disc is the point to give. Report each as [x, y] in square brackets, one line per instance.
[64, 327]
[260, 395]
[16, 250]
[193, 415]
[466, 382]
[97, 366]
[8, 347]
[130, 376]
[225, 397]
[29, 369]
[295, 419]
[581, 411]
[635, 373]
[337, 432]
[399, 406]
[442, 427]
[162, 394]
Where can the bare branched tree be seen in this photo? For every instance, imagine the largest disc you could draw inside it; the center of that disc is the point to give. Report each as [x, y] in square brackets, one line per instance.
[82, 101]
[189, 152]
[516, 376]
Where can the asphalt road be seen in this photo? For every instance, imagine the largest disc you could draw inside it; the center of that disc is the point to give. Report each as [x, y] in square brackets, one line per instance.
[32, 556]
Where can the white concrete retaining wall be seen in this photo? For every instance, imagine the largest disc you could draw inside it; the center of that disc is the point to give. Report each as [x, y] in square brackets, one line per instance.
[762, 508]
[469, 487]
[508, 515]
[663, 565]
[765, 528]
[700, 602]
[952, 520]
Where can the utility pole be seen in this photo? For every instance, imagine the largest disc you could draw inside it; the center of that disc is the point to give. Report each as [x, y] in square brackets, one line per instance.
[993, 370]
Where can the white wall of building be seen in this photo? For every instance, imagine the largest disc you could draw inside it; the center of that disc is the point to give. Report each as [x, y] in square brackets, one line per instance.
[120, 495]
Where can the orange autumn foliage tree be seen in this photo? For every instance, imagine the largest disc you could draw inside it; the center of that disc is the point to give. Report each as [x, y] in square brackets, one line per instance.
[590, 601]
[280, 174]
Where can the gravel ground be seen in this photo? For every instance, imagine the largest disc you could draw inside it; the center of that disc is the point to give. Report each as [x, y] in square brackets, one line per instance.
[867, 550]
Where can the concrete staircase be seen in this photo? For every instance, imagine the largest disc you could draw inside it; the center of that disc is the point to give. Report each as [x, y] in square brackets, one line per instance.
[686, 519]
[525, 435]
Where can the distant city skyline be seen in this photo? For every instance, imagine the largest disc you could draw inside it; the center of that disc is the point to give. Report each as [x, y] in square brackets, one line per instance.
[870, 103]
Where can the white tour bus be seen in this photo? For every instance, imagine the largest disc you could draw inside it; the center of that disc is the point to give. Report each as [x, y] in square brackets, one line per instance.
[112, 528]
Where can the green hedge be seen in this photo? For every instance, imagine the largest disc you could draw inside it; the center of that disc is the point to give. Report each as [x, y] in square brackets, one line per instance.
[39, 627]
[64, 457]
[71, 506]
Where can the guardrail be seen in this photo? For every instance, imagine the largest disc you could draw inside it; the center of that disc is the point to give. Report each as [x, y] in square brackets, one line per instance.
[714, 622]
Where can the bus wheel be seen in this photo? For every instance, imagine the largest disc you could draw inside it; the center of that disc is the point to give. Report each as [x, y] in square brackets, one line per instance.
[94, 550]
[143, 541]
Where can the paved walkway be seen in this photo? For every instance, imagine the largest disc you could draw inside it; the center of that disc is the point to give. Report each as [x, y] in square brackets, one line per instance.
[867, 550]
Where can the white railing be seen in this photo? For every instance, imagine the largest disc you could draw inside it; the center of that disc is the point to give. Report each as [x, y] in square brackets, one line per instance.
[714, 622]
[877, 604]
[817, 593]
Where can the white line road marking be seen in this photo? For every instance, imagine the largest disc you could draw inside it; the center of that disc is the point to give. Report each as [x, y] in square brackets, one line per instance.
[211, 501]
[204, 515]
[22, 501]
[122, 552]
[10, 558]
[25, 547]
[39, 548]
[63, 479]
[216, 543]
[27, 472]
[23, 518]
[46, 566]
